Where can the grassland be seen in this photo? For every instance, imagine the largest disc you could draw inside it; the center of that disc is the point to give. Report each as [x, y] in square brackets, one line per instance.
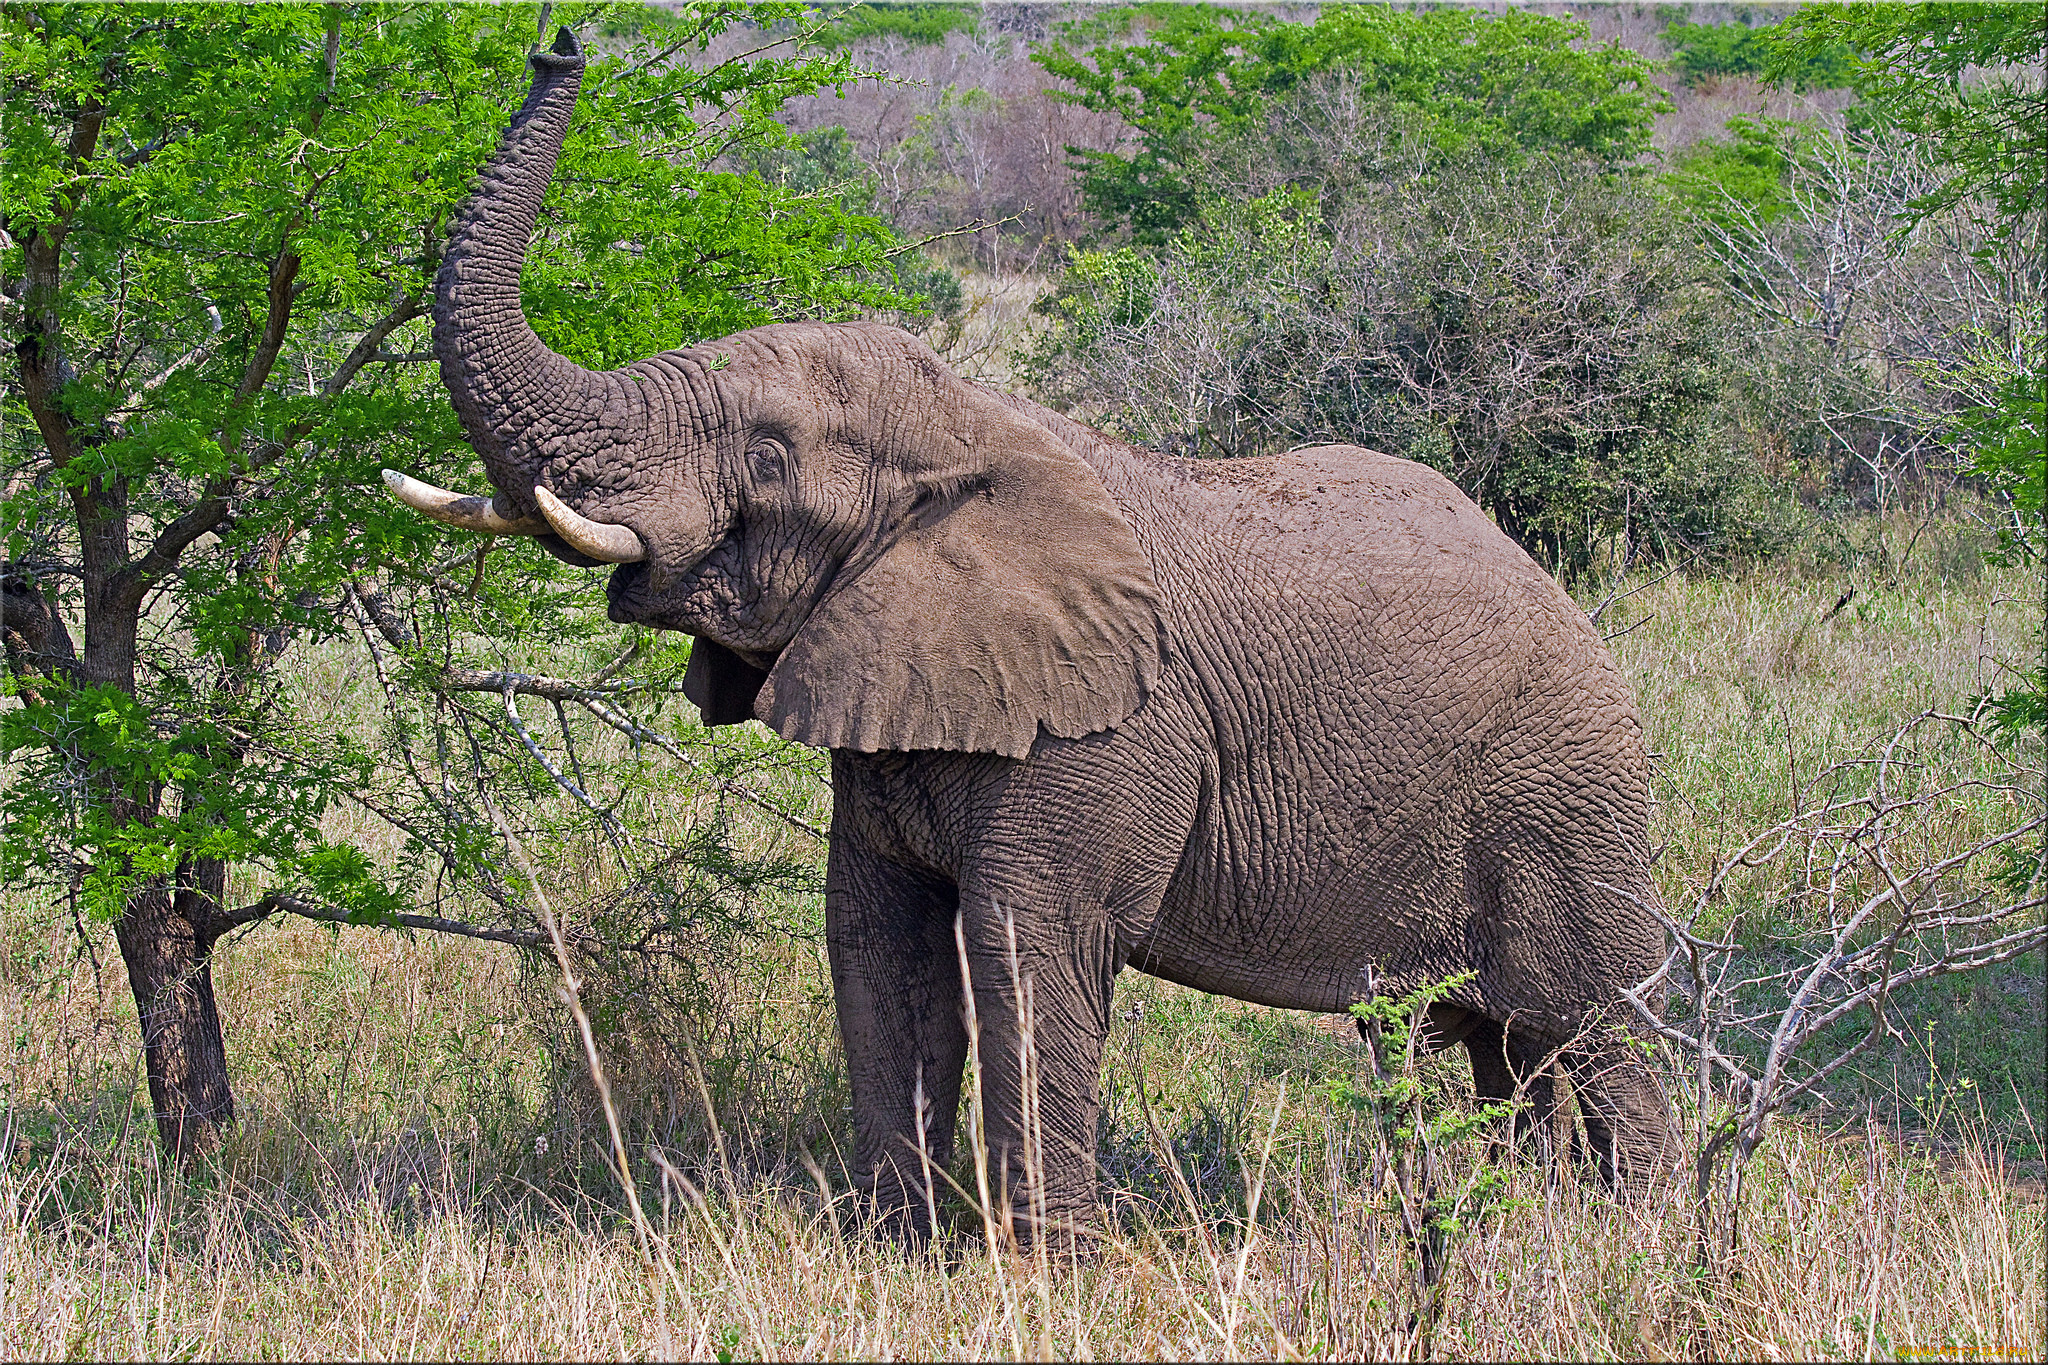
[419, 1169]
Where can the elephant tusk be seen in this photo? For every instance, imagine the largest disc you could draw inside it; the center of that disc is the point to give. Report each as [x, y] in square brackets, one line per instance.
[470, 513]
[613, 544]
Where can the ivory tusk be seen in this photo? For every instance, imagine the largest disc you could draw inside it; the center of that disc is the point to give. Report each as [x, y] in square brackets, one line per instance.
[469, 513]
[611, 543]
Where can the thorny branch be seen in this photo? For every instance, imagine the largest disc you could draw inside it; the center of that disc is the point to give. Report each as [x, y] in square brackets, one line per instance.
[386, 632]
[278, 901]
[595, 696]
[1891, 910]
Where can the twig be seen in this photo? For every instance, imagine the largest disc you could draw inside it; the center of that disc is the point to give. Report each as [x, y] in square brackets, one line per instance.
[626, 725]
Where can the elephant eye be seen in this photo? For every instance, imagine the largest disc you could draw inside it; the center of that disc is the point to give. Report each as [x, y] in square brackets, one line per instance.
[768, 458]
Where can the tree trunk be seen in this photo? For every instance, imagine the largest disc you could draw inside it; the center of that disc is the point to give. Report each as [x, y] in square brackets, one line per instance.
[167, 941]
[166, 931]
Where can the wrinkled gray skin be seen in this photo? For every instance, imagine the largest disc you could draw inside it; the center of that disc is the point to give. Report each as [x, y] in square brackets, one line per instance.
[1269, 728]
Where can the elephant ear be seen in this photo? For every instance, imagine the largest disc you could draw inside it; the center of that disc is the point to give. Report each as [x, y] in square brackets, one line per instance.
[1017, 598]
[721, 683]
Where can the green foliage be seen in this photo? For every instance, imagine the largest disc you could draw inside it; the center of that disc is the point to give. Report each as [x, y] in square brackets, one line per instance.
[1914, 70]
[917, 22]
[1468, 82]
[1704, 51]
[237, 288]
[823, 163]
[2007, 439]
[1746, 174]
[1248, 275]
[820, 162]
[2009, 451]
[1434, 1205]
[90, 759]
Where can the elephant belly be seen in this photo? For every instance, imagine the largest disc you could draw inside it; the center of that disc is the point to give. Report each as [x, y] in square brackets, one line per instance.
[1357, 681]
[1307, 922]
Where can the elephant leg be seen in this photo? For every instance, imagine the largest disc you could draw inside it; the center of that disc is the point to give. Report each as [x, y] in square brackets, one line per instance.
[896, 980]
[1507, 1066]
[1628, 1121]
[1042, 1019]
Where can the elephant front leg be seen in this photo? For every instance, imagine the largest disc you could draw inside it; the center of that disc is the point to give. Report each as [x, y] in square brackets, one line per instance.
[1041, 1017]
[896, 979]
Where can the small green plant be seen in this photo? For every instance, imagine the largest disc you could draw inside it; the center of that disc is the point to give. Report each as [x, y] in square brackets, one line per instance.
[1419, 1136]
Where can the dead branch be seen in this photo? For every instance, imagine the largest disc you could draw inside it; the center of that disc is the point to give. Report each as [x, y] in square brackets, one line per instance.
[283, 902]
[1897, 911]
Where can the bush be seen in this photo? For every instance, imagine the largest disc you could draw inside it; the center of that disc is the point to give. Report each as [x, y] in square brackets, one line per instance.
[1704, 52]
[1534, 329]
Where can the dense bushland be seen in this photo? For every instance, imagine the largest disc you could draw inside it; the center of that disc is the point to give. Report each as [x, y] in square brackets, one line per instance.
[1362, 229]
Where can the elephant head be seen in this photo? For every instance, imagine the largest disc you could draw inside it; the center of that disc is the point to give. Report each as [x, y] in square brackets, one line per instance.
[872, 553]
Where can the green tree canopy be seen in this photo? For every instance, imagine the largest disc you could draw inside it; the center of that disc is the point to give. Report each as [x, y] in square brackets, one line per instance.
[1469, 82]
[1700, 52]
[1967, 78]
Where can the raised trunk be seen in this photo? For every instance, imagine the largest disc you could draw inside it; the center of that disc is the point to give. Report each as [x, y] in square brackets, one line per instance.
[519, 402]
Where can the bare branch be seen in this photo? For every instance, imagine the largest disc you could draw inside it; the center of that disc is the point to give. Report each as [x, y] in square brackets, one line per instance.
[1891, 920]
[371, 342]
[626, 725]
[531, 685]
[279, 901]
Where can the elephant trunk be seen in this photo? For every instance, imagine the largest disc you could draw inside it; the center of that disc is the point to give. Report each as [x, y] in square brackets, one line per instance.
[522, 405]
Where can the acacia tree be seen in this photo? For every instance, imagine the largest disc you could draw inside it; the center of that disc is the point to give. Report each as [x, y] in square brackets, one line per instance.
[221, 225]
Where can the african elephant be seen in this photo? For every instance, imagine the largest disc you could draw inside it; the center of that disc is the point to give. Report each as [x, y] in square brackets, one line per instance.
[1271, 728]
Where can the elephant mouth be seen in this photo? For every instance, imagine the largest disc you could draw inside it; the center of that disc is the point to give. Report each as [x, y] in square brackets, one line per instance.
[706, 595]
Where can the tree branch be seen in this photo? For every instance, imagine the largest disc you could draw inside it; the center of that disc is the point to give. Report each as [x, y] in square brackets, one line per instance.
[41, 348]
[279, 901]
[529, 685]
[368, 347]
[162, 556]
[277, 321]
[36, 640]
[213, 506]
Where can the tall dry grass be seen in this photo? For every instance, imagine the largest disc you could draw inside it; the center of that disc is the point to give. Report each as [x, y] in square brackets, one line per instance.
[1856, 1247]
[421, 1169]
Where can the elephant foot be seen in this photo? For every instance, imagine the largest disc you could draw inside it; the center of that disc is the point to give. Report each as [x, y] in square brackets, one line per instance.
[1066, 1235]
[1634, 1144]
[900, 1209]
[1063, 1240]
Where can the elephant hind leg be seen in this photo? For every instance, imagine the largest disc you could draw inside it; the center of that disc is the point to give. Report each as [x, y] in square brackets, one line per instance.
[1628, 1121]
[1508, 1067]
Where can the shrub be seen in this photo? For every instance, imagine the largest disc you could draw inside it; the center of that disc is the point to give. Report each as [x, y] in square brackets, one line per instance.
[1533, 329]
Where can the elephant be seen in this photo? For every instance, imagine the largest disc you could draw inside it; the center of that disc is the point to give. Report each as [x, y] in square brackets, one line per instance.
[1293, 729]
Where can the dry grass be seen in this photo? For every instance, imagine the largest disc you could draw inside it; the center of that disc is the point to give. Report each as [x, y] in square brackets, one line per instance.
[995, 322]
[419, 1173]
[1854, 1245]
